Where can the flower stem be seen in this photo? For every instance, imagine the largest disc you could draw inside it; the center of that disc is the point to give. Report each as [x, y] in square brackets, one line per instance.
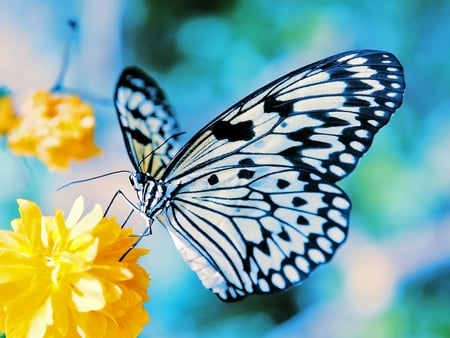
[73, 27]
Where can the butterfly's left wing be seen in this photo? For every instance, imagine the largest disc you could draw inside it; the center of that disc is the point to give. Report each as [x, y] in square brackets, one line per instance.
[254, 207]
[148, 126]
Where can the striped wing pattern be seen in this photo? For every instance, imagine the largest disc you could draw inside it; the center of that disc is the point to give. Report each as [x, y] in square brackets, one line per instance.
[147, 123]
[254, 204]
[251, 200]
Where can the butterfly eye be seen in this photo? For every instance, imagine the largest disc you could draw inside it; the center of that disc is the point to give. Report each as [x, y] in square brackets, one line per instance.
[138, 180]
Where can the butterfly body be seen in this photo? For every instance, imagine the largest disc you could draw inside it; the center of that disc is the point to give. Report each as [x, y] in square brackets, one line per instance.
[151, 194]
[251, 200]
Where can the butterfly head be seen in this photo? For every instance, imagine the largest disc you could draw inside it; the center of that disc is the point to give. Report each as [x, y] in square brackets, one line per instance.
[139, 180]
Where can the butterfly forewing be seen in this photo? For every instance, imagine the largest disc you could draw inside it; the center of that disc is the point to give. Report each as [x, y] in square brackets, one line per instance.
[320, 117]
[147, 123]
[254, 205]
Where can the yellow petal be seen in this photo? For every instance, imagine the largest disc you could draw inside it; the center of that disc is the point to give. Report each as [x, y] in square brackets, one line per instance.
[88, 222]
[29, 306]
[12, 241]
[88, 294]
[43, 317]
[76, 212]
[14, 267]
[85, 246]
[113, 271]
[30, 225]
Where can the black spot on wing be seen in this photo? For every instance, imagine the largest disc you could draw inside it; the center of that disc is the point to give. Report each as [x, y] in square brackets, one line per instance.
[298, 201]
[355, 85]
[162, 132]
[284, 235]
[356, 102]
[301, 220]
[339, 73]
[136, 113]
[244, 173]
[263, 246]
[246, 162]
[242, 131]
[282, 183]
[293, 155]
[283, 108]
[213, 179]
[137, 135]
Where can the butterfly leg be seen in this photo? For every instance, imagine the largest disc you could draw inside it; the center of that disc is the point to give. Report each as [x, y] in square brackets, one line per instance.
[148, 229]
[147, 232]
[120, 193]
[128, 217]
[131, 248]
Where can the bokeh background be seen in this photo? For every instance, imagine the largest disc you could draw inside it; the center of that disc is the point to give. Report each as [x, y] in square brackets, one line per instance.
[391, 278]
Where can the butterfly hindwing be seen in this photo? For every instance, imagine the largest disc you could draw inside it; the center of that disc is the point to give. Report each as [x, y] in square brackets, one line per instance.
[264, 229]
[254, 207]
[147, 123]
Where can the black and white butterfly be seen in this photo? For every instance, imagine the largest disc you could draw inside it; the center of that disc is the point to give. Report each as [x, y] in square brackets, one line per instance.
[251, 201]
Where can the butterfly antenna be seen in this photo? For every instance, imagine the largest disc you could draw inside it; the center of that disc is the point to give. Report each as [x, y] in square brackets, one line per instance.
[93, 178]
[154, 150]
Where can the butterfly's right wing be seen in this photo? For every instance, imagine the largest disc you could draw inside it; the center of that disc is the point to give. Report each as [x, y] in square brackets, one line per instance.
[254, 204]
[148, 126]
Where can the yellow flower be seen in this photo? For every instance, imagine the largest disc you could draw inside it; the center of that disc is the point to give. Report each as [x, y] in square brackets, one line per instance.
[7, 117]
[55, 128]
[63, 278]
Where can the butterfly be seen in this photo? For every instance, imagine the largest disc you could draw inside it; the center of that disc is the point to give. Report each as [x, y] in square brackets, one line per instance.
[251, 200]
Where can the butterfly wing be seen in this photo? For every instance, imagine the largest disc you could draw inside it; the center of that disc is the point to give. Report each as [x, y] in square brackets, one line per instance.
[258, 229]
[254, 204]
[148, 126]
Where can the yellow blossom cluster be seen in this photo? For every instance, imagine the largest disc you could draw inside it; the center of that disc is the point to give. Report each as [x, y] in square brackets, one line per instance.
[64, 277]
[57, 128]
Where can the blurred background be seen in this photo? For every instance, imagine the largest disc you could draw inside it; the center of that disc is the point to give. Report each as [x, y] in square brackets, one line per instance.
[391, 278]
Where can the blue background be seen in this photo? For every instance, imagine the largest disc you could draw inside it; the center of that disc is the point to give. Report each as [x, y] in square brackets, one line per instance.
[391, 278]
